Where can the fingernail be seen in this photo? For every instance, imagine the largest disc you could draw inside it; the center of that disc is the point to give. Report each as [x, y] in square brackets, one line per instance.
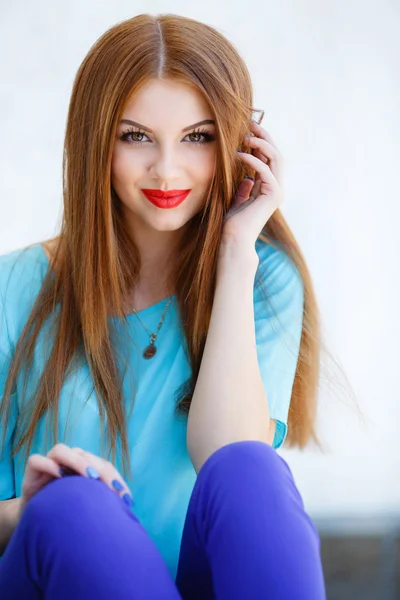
[92, 473]
[127, 499]
[117, 485]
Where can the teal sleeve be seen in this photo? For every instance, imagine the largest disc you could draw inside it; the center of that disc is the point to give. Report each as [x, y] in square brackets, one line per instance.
[278, 324]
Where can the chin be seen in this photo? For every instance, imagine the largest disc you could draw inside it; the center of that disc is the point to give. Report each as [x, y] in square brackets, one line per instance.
[164, 222]
[161, 220]
[168, 224]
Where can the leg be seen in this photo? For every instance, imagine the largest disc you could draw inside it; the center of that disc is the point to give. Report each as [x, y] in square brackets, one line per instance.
[77, 539]
[246, 534]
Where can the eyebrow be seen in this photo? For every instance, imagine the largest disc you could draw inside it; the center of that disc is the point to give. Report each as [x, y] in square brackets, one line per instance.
[205, 122]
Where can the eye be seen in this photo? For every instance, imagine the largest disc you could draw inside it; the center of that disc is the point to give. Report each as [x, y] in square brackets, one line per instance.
[204, 133]
[131, 131]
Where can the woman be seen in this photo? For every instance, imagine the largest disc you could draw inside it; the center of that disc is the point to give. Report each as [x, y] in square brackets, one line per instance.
[194, 308]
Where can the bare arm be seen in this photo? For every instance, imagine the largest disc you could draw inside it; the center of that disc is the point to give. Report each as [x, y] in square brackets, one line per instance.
[229, 403]
[9, 517]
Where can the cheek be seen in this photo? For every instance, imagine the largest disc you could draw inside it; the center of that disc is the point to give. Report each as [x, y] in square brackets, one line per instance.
[123, 168]
[205, 167]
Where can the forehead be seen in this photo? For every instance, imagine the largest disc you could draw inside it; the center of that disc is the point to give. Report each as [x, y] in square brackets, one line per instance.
[162, 103]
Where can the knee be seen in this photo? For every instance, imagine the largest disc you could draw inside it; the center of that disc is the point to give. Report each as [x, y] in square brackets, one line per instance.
[254, 476]
[73, 496]
[246, 453]
[249, 462]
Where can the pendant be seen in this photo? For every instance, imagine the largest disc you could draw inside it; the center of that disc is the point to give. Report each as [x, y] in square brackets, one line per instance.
[149, 351]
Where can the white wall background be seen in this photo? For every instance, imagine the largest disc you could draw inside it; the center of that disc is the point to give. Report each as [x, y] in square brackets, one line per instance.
[326, 75]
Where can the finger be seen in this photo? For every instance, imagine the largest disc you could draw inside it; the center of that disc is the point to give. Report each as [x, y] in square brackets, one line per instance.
[89, 461]
[268, 151]
[277, 166]
[82, 452]
[44, 464]
[97, 461]
[259, 155]
[243, 190]
[109, 475]
[266, 175]
[255, 192]
[263, 133]
[78, 450]
[65, 456]
[269, 155]
[89, 465]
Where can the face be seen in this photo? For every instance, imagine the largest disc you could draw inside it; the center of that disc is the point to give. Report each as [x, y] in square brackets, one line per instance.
[163, 150]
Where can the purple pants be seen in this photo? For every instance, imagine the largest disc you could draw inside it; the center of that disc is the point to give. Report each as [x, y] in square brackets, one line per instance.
[246, 537]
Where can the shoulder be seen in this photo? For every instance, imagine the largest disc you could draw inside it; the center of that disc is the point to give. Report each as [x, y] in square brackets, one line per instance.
[21, 274]
[22, 267]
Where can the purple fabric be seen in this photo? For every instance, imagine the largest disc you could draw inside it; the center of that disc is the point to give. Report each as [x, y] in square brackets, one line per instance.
[246, 537]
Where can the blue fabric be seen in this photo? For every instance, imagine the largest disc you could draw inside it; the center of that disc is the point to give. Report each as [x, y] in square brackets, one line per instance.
[163, 476]
[246, 535]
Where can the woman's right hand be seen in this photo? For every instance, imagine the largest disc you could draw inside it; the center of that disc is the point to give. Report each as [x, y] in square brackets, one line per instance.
[40, 470]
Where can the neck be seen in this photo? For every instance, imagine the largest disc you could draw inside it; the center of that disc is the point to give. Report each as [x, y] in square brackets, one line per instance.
[157, 251]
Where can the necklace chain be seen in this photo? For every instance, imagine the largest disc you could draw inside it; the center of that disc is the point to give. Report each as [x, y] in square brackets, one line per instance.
[151, 349]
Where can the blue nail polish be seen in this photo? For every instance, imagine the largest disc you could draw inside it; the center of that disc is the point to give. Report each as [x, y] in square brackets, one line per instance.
[92, 473]
[127, 499]
[117, 485]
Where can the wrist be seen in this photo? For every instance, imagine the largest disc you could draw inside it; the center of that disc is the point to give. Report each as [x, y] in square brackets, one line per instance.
[237, 262]
[239, 252]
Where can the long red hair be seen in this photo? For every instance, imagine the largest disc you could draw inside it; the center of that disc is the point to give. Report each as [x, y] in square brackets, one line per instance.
[95, 263]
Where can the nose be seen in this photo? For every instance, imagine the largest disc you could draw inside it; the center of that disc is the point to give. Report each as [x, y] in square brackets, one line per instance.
[165, 166]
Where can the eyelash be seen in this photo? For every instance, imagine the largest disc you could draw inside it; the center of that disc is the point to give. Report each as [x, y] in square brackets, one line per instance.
[208, 137]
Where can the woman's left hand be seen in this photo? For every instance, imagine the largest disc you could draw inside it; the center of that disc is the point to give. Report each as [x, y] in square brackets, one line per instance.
[248, 215]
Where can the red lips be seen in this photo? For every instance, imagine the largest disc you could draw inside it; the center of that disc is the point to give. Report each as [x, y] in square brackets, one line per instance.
[162, 194]
[170, 199]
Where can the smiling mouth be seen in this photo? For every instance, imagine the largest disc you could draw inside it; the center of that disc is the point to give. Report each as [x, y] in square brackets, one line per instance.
[163, 201]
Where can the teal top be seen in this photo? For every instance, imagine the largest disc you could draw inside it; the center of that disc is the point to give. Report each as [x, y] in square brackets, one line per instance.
[163, 476]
